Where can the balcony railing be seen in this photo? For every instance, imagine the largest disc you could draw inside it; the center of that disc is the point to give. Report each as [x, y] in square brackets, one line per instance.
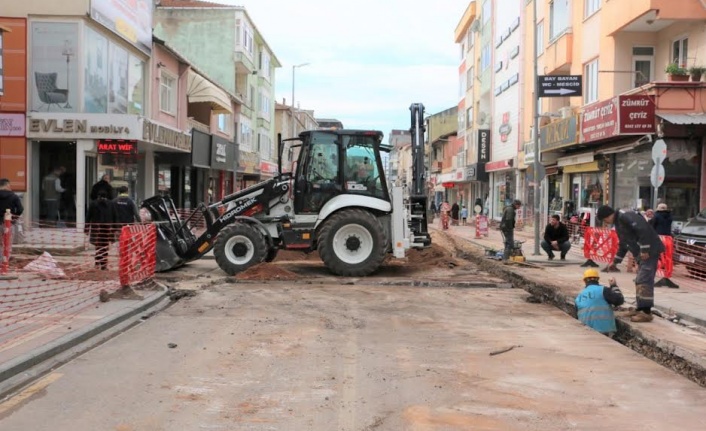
[193, 124]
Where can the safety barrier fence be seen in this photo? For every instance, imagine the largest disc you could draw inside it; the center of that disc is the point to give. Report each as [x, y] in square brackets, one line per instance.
[54, 273]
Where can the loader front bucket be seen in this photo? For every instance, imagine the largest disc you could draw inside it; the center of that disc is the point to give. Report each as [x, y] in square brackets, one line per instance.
[173, 238]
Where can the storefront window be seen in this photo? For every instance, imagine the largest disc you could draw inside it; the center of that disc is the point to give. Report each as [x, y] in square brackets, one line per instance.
[587, 189]
[54, 81]
[504, 192]
[117, 97]
[121, 171]
[633, 189]
[96, 73]
[136, 86]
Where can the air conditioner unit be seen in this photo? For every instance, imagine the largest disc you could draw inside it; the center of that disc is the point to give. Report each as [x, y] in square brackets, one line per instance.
[482, 118]
[475, 27]
[566, 112]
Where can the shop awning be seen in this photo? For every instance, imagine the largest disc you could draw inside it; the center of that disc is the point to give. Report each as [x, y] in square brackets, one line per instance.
[691, 118]
[201, 90]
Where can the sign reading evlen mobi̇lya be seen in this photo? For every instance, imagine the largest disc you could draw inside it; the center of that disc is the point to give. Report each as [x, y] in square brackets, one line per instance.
[559, 85]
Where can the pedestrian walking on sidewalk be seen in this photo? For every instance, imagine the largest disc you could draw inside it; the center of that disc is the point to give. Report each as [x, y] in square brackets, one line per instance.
[100, 227]
[8, 201]
[454, 214]
[662, 221]
[464, 215]
[507, 227]
[640, 239]
[556, 238]
[594, 305]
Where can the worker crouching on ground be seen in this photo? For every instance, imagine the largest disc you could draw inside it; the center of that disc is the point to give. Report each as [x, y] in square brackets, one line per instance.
[556, 238]
[595, 303]
[640, 239]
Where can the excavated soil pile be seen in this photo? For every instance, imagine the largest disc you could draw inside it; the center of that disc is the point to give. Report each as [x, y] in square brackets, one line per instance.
[266, 271]
[432, 257]
[73, 271]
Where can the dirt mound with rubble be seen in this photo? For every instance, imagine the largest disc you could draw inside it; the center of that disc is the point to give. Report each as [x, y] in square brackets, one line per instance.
[73, 271]
[292, 255]
[266, 271]
[433, 257]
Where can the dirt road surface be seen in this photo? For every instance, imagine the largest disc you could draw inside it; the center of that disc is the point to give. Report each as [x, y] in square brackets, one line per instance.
[287, 356]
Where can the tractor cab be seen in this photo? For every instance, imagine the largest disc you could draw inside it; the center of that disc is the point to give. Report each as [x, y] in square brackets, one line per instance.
[330, 163]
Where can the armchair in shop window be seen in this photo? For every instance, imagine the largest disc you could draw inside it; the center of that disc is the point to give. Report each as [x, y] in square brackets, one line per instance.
[47, 91]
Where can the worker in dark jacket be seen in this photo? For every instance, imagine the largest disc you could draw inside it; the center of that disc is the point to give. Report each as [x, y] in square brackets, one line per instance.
[102, 186]
[641, 240]
[100, 227]
[556, 238]
[594, 303]
[126, 208]
[662, 221]
[507, 227]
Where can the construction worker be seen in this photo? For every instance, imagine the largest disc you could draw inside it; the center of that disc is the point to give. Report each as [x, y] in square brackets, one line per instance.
[641, 240]
[594, 303]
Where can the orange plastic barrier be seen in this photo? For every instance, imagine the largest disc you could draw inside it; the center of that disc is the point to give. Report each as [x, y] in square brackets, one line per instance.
[665, 266]
[137, 257]
[600, 244]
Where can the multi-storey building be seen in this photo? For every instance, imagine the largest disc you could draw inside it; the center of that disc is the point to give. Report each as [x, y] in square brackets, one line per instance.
[225, 43]
[444, 144]
[399, 164]
[597, 147]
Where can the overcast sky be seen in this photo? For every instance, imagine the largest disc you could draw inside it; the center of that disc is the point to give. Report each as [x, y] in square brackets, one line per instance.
[369, 59]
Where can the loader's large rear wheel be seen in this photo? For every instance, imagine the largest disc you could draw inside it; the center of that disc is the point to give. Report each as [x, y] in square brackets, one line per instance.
[239, 247]
[352, 243]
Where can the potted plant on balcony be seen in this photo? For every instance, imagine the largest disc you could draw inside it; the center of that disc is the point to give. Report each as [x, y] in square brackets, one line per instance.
[676, 72]
[696, 72]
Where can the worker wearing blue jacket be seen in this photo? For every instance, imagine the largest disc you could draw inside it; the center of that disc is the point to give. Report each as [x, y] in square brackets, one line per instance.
[595, 303]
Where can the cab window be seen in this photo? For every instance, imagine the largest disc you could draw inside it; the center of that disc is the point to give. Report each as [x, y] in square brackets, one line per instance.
[362, 174]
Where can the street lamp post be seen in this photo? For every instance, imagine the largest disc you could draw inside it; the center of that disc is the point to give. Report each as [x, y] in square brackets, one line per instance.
[294, 68]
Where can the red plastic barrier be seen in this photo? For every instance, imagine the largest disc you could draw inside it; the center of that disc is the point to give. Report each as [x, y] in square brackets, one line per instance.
[600, 244]
[7, 243]
[665, 266]
[137, 258]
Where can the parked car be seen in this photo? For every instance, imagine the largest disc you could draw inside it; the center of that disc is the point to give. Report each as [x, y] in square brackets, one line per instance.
[690, 248]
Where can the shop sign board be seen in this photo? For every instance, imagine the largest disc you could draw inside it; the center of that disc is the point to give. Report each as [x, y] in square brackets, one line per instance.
[483, 145]
[41, 125]
[248, 163]
[222, 154]
[124, 148]
[560, 85]
[130, 19]
[12, 124]
[158, 134]
[558, 134]
[498, 166]
[621, 115]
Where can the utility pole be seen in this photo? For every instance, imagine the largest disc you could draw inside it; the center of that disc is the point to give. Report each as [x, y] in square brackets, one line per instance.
[535, 164]
[294, 68]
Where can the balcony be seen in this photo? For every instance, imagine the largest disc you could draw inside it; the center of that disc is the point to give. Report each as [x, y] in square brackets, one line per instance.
[648, 16]
[193, 124]
[243, 64]
[557, 56]
[436, 167]
[263, 122]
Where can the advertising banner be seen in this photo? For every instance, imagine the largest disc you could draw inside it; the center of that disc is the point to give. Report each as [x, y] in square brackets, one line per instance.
[621, 115]
[130, 19]
[483, 145]
[637, 115]
[54, 80]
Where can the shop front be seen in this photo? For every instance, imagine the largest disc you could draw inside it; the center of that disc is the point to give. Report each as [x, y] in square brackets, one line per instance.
[223, 165]
[586, 179]
[503, 186]
[172, 161]
[211, 176]
[248, 172]
[78, 150]
[477, 178]
[268, 169]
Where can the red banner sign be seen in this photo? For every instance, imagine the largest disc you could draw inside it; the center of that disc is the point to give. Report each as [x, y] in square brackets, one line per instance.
[498, 166]
[621, 115]
[117, 147]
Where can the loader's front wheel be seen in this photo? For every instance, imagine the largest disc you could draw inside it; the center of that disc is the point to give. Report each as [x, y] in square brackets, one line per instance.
[352, 243]
[238, 247]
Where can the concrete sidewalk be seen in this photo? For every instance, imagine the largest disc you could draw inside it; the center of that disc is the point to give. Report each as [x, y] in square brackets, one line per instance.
[688, 302]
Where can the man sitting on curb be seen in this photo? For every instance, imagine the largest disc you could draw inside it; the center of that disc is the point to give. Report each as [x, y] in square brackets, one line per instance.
[594, 303]
[556, 238]
[638, 237]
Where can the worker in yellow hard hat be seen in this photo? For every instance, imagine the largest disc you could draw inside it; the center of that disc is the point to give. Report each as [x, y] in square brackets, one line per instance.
[594, 304]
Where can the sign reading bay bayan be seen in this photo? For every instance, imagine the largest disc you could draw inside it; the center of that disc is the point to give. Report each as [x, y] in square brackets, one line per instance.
[621, 115]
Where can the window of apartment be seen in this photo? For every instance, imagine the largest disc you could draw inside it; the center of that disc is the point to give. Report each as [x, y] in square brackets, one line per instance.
[248, 39]
[461, 121]
[469, 117]
[590, 7]
[558, 18]
[485, 12]
[463, 50]
[470, 77]
[680, 49]
[223, 120]
[265, 105]
[461, 85]
[590, 85]
[1, 70]
[540, 38]
[471, 37]
[265, 64]
[485, 56]
[167, 92]
[643, 59]
[245, 137]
